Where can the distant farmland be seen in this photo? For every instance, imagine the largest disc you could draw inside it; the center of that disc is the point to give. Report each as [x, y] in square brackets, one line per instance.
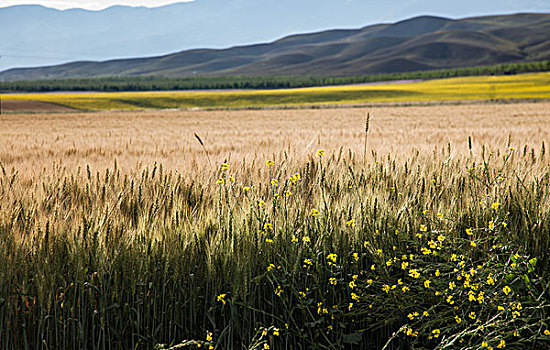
[525, 86]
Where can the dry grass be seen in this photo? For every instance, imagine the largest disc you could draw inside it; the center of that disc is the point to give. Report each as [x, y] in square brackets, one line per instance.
[32, 143]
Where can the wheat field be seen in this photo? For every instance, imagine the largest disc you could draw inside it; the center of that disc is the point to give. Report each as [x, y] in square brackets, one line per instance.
[33, 143]
[285, 229]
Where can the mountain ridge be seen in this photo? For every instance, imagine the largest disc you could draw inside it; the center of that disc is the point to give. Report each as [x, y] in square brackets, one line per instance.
[37, 36]
[419, 43]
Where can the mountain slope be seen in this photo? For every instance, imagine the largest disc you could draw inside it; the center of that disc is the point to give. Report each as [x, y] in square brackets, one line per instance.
[38, 36]
[420, 43]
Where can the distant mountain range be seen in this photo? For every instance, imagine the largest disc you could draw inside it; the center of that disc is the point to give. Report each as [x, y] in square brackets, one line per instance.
[419, 43]
[33, 36]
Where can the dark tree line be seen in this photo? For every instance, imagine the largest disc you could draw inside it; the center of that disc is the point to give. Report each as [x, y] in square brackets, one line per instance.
[156, 83]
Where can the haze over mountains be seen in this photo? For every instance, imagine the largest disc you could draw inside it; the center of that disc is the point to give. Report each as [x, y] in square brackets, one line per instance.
[420, 43]
[38, 36]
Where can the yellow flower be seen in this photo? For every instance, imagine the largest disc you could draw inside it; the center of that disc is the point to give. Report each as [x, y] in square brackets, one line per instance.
[480, 297]
[423, 228]
[261, 203]
[320, 153]
[547, 332]
[506, 290]
[440, 238]
[427, 283]
[268, 240]
[314, 212]
[306, 239]
[270, 267]
[308, 263]
[404, 265]
[270, 163]
[355, 256]
[278, 291]
[452, 285]
[405, 289]
[230, 178]
[225, 166]
[472, 315]
[333, 281]
[386, 288]
[473, 244]
[352, 284]
[437, 273]
[268, 226]
[221, 298]
[450, 300]
[288, 193]
[276, 332]
[502, 344]
[220, 181]
[294, 239]
[274, 182]
[469, 231]
[266, 346]
[425, 251]
[458, 319]
[495, 205]
[426, 314]
[209, 336]
[246, 188]
[350, 223]
[436, 333]
[332, 257]
[414, 273]
[491, 224]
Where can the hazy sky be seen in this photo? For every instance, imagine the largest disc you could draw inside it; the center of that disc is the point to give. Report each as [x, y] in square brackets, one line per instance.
[89, 4]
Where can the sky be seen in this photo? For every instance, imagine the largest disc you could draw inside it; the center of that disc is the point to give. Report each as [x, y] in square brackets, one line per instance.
[89, 4]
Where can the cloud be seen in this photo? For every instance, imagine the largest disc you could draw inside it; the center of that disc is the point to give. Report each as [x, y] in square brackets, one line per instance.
[89, 4]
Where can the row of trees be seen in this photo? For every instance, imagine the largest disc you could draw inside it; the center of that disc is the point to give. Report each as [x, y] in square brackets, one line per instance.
[155, 83]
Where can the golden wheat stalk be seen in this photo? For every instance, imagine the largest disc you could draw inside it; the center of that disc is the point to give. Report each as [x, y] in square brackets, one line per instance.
[367, 120]
[203, 147]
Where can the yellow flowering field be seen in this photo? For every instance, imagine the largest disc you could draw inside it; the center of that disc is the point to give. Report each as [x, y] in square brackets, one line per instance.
[524, 86]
